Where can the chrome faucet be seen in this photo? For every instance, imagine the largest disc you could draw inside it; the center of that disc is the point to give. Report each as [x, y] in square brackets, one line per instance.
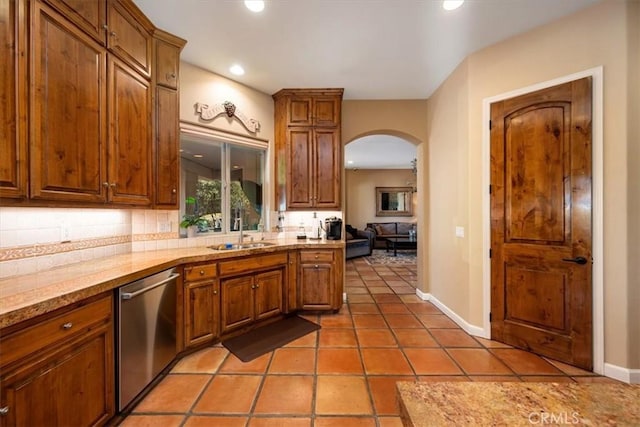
[240, 214]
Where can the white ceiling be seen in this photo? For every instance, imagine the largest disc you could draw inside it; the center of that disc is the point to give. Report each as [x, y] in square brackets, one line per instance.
[374, 49]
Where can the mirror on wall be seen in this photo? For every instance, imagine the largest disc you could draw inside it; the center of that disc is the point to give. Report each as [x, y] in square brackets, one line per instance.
[394, 201]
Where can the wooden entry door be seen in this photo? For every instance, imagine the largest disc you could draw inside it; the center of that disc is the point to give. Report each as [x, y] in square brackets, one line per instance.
[541, 288]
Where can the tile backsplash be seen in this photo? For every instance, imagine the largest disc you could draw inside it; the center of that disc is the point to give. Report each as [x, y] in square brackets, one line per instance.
[37, 239]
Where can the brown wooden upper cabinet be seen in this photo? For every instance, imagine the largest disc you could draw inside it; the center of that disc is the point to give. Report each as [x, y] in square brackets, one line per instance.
[13, 100]
[308, 148]
[166, 147]
[90, 117]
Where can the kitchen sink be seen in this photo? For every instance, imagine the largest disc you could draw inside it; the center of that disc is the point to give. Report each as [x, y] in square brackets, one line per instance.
[231, 247]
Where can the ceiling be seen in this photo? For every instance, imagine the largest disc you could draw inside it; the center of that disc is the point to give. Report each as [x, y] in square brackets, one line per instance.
[374, 49]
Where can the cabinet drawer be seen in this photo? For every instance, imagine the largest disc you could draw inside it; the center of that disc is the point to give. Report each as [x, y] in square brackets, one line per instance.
[316, 256]
[59, 328]
[200, 272]
[252, 263]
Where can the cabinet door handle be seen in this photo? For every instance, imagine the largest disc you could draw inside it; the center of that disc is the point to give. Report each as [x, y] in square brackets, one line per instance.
[112, 185]
[4, 410]
[257, 286]
[316, 266]
[253, 286]
[171, 76]
[67, 326]
[174, 191]
[215, 292]
[105, 184]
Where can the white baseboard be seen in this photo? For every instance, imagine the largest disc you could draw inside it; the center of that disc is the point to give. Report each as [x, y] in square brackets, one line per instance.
[630, 376]
[468, 327]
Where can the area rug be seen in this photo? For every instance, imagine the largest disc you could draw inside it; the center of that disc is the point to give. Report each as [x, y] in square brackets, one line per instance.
[264, 339]
[382, 257]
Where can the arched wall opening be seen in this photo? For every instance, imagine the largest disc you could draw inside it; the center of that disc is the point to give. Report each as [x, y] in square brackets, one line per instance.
[360, 182]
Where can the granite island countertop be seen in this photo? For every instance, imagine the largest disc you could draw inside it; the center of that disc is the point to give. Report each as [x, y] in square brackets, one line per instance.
[517, 404]
[27, 296]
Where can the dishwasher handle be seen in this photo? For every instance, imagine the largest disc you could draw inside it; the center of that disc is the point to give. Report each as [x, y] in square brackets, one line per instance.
[129, 295]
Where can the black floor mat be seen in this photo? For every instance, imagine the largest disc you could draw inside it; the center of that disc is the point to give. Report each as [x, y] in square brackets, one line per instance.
[264, 339]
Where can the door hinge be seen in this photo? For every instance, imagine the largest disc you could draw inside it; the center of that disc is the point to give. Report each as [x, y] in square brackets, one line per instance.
[490, 189]
[490, 124]
[490, 252]
[490, 316]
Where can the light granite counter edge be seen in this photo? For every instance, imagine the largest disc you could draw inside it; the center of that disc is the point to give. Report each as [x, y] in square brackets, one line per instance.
[28, 296]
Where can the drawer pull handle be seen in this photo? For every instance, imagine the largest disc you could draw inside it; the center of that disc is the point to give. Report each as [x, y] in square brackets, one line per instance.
[4, 411]
[202, 272]
[316, 266]
[67, 326]
[317, 257]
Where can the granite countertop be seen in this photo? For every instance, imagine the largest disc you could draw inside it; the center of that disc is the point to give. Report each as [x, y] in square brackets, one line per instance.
[27, 296]
[517, 404]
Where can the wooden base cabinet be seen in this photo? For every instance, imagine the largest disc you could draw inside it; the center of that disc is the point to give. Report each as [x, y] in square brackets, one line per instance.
[201, 304]
[60, 371]
[247, 299]
[252, 289]
[320, 279]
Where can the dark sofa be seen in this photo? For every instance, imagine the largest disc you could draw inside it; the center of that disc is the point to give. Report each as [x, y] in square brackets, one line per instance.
[358, 242]
[383, 230]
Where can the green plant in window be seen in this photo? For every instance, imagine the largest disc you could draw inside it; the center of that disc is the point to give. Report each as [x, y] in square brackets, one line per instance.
[194, 217]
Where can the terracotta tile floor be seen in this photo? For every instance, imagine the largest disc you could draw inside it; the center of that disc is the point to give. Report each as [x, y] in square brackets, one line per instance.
[344, 374]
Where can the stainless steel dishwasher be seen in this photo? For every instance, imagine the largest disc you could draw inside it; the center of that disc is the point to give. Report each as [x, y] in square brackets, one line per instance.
[146, 311]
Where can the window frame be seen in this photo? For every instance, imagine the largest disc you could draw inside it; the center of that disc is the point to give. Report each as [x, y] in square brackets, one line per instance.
[227, 139]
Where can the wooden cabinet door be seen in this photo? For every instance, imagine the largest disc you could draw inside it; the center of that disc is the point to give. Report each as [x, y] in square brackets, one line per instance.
[167, 61]
[90, 16]
[13, 100]
[129, 37]
[299, 168]
[326, 111]
[202, 311]
[268, 290]
[327, 168]
[71, 386]
[316, 286]
[237, 300]
[300, 111]
[68, 111]
[166, 148]
[130, 135]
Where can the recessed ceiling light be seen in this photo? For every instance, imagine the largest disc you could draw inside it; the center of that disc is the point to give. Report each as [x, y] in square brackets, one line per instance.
[452, 4]
[254, 5]
[237, 70]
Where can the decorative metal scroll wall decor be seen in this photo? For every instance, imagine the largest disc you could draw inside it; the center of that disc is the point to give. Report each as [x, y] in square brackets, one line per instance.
[210, 112]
